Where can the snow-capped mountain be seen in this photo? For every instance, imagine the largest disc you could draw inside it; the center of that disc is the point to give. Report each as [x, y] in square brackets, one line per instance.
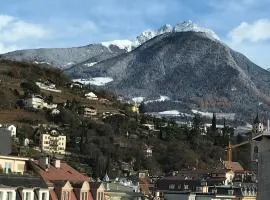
[92, 54]
[167, 28]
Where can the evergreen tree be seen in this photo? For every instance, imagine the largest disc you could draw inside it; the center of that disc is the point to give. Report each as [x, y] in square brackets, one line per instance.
[214, 123]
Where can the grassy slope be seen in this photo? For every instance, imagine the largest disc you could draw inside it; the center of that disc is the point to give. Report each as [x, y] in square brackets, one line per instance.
[13, 73]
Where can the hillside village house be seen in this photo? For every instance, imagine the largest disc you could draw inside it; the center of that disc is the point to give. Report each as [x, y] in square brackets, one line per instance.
[75, 84]
[11, 128]
[53, 141]
[148, 151]
[48, 85]
[91, 96]
[13, 164]
[88, 111]
[37, 102]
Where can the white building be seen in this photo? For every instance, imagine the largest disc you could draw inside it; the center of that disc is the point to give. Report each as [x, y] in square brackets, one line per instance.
[48, 86]
[89, 111]
[53, 142]
[11, 128]
[38, 102]
[91, 96]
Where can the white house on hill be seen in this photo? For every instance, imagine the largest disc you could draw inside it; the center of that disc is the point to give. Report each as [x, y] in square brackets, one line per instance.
[91, 96]
[37, 102]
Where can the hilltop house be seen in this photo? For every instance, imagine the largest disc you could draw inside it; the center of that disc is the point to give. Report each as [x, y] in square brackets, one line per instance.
[91, 96]
[37, 102]
[11, 128]
[148, 151]
[88, 111]
[75, 84]
[53, 141]
[48, 85]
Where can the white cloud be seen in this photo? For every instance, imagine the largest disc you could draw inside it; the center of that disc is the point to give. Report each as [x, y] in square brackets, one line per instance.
[253, 32]
[14, 30]
[4, 49]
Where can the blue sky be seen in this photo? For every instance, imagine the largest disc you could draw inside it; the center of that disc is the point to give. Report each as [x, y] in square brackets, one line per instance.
[242, 24]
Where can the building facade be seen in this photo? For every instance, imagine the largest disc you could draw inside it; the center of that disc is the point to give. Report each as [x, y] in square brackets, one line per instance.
[53, 141]
[13, 164]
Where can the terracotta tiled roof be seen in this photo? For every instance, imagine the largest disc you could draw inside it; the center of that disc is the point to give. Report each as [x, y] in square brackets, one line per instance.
[65, 173]
[53, 195]
[90, 196]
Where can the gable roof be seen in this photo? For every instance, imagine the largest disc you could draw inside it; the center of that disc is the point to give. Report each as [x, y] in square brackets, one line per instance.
[64, 173]
[95, 185]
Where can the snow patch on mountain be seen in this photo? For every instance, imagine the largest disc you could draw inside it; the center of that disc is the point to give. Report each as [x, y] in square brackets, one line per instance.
[160, 99]
[98, 81]
[185, 26]
[138, 99]
[41, 62]
[90, 64]
[229, 116]
[121, 44]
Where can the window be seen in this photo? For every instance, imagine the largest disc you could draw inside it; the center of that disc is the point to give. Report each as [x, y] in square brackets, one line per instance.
[171, 186]
[83, 195]
[65, 195]
[230, 192]
[27, 195]
[43, 196]
[186, 187]
[9, 196]
[100, 196]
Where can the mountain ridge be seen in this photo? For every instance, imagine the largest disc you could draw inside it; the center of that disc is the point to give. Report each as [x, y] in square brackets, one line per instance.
[64, 58]
[188, 67]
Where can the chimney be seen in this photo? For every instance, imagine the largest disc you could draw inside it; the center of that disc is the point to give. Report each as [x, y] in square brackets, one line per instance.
[57, 163]
[44, 163]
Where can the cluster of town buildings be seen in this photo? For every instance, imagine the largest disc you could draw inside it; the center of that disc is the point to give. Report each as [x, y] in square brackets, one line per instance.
[50, 178]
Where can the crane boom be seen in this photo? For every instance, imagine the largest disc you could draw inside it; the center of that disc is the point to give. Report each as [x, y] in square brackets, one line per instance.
[231, 147]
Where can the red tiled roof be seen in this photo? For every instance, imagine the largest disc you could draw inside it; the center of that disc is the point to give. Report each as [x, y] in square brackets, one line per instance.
[73, 196]
[65, 172]
[53, 195]
[90, 196]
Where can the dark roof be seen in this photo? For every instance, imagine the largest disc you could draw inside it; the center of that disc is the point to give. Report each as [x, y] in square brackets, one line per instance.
[5, 142]
[224, 190]
[95, 185]
[25, 181]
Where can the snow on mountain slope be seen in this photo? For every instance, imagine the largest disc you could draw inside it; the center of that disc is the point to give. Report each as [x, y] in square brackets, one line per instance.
[185, 26]
[122, 44]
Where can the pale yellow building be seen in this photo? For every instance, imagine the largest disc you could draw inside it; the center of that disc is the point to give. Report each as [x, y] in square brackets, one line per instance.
[13, 164]
[53, 141]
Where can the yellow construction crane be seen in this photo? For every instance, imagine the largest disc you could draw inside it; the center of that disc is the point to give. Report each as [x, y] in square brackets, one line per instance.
[230, 147]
